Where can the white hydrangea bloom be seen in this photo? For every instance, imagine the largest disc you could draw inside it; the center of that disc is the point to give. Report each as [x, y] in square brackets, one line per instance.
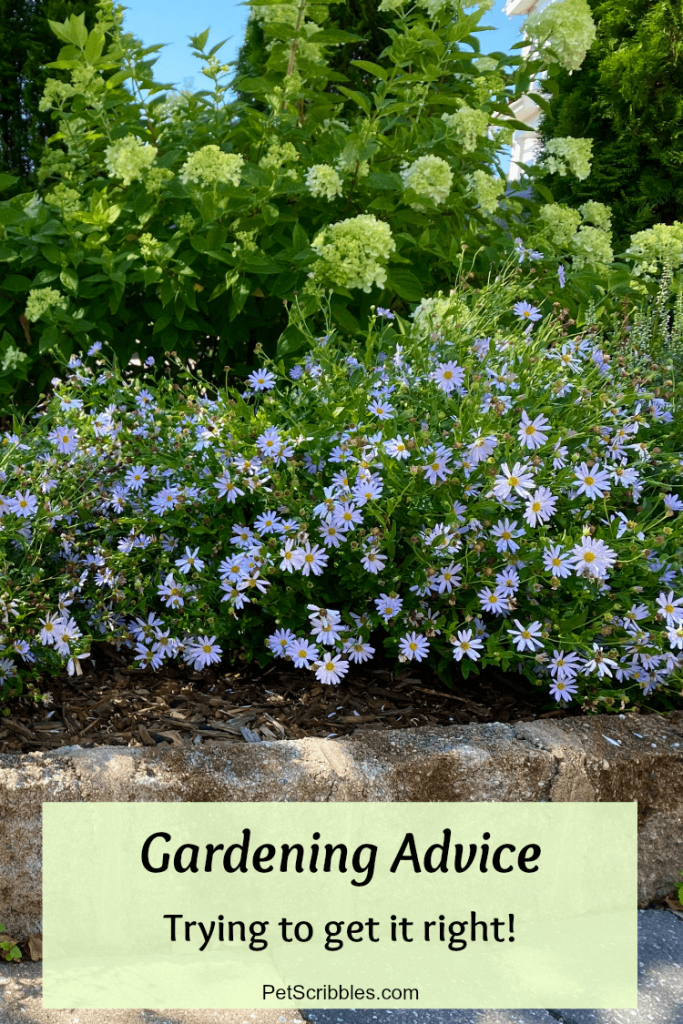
[597, 214]
[660, 245]
[560, 223]
[323, 180]
[469, 125]
[354, 252]
[486, 189]
[285, 14]
[211, 165]
[433, 7]
[568, 154]
[428, 176]
[591, 245]
[279, 154]
[42, 299]
[129, 158]
[568, 27]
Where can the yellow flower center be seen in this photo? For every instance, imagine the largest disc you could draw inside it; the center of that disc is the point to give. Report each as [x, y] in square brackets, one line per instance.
[513, 481]
[589, 480]
[588, 556]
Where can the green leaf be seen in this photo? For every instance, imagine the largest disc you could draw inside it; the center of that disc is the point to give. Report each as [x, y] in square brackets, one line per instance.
[373, 69]
[44, 278]
[291, 340]
[270, 213]
[405, 284]
[7, 180]
[299, 238]
[9, 215]
[49, 338]
[117, 79]
[15, 283]
[51, 254]
[258, 262]
[200, 41]
[544, 192]
[62, 30]
[69, 279]
[241, 292]
[333, 35]
[358, 97]
[94, 46]
[384, 182]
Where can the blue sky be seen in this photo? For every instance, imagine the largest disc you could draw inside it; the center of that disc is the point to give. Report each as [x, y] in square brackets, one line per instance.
[172, 21]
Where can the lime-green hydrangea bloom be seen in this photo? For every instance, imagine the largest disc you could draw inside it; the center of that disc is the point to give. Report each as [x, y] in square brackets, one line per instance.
[54, 94]
[469, 125]
[323, 180]
[354, 252]
[486, 189]
[129, 158]
[211, 165]
[278, 155]
[591, 245]
[40, 300]
[67, 199]
[568, 154]
[568, 26]
[428, 176]
[660, 245]
[597, 214]
[560, 223]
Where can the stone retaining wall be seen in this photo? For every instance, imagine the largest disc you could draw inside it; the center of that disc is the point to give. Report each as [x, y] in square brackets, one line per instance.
[597, 759]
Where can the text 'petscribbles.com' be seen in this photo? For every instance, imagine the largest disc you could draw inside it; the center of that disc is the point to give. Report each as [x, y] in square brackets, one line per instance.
[331, 993]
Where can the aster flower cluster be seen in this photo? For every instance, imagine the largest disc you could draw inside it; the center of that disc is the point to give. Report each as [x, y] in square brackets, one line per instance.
[486, 492]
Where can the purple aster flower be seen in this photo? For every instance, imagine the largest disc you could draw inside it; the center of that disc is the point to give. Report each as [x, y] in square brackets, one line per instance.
[561, 275]
[527, 312]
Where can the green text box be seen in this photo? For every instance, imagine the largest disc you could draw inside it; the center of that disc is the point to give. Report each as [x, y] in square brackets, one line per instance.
[505, 905]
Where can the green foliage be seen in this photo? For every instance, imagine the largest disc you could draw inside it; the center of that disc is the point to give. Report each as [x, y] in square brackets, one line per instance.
[26, 44]
[360, 18]
[121, 237]
[8, 950]
[627, 97]
[680, 890]
[477, 480]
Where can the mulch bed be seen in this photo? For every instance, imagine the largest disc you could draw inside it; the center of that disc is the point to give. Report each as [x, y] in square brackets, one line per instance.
[117, 705]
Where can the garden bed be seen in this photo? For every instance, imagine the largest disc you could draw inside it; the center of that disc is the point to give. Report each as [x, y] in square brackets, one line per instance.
[114, 704]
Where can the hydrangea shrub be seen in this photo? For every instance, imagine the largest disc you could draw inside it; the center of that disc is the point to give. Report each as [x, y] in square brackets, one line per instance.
[473, 486]
[203, 214]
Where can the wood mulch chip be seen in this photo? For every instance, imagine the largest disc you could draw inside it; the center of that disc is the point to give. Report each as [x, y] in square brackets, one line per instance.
[117, 705]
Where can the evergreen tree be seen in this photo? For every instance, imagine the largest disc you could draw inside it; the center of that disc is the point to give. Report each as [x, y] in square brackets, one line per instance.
[26, 44]
[628, 98]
